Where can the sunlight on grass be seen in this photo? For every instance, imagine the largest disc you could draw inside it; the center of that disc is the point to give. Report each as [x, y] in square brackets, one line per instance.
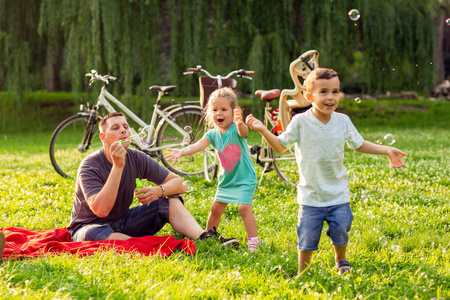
[399, 242]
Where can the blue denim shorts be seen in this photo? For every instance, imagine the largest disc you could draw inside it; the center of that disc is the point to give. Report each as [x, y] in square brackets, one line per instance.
[310, 223]
[139, 221]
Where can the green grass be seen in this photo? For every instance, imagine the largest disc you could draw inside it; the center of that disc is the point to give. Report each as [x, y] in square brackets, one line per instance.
[399, 242]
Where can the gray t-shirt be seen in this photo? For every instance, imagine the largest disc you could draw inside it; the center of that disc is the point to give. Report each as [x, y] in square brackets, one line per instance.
[92, 175]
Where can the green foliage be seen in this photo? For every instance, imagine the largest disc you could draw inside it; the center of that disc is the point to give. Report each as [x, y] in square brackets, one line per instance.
[399, 241]
[152, 42]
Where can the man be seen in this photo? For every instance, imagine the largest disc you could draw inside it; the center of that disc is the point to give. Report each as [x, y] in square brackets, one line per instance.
[105, 189]
[2, 245]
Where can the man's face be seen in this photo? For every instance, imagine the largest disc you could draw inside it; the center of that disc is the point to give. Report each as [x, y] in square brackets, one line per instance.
[116, 129]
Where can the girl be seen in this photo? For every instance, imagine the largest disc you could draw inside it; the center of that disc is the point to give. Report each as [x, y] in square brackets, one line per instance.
[237, 177]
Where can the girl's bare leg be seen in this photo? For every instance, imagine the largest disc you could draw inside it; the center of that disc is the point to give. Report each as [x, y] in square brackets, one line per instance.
[217, 210]
[245, 210]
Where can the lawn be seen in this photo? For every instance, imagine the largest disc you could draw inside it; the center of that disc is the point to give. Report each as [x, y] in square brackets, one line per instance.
[399, 243]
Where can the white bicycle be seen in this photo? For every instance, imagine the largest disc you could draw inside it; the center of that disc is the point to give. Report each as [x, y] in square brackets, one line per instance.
[176, 126]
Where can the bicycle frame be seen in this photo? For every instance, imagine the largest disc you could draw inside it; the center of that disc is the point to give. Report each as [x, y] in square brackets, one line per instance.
[105, 95]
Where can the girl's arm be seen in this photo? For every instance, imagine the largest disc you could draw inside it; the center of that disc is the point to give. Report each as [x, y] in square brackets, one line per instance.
[394, 155]
[241, 127]
[197, 147]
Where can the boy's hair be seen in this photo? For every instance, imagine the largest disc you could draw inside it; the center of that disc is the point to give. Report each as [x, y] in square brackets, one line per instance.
[102, 123]
[319, 73]
[224, 92]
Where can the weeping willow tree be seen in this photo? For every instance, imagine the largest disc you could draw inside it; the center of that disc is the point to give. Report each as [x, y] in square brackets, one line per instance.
[390, 47]
[145, 42]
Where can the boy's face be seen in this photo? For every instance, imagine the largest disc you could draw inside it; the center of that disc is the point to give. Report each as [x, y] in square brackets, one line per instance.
[116, 129]
[324, 97]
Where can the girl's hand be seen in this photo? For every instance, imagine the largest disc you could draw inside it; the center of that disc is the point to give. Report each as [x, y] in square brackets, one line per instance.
[254, 123]
[148, 194]
[395, 157]
[175, 155]
[238, 116]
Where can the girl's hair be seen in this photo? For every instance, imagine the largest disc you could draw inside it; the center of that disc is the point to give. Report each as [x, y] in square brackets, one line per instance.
[319, 73]
[224, 92]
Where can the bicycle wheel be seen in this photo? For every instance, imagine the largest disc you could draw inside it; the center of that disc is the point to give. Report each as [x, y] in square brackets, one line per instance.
[73, 140]
[191, 120]
[285, 166]
[210, 164]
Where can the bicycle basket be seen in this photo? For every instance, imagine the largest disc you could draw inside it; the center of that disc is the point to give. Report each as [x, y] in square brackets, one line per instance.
[209, 85]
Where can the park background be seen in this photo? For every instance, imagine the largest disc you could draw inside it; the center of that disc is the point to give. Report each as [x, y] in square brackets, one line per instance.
[400, 240]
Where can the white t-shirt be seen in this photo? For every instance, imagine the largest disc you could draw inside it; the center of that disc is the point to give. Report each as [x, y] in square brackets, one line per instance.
[319, 152]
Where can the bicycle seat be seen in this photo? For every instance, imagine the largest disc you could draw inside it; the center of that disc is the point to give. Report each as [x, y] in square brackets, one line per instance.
[268, 95]
[163, 88]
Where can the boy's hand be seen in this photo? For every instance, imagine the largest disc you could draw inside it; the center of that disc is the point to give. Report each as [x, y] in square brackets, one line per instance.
[175, 155]
[395, 157]
[254, 123]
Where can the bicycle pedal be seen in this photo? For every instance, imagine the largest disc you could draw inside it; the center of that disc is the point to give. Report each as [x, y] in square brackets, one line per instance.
[255, 149]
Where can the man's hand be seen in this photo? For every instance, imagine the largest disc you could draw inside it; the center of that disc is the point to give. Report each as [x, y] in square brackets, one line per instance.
[118, 154]
[148, 194]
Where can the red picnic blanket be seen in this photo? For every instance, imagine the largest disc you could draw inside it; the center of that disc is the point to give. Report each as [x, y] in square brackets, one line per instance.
[21, 242]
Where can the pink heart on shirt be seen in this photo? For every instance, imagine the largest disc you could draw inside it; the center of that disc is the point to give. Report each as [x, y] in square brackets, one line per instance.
[230, 156]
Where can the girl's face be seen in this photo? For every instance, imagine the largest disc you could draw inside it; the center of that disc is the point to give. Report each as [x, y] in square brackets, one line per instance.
[222, 113]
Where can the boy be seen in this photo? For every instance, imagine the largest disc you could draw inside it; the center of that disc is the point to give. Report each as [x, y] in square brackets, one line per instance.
[319, 137]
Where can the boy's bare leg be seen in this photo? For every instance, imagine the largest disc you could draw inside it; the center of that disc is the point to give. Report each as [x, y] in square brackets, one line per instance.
[217, 210]
[304, 260]
[339, 253]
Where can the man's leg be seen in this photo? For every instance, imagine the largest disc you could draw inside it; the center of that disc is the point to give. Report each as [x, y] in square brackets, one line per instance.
[2, 245]
[182, 220]
[118, 236]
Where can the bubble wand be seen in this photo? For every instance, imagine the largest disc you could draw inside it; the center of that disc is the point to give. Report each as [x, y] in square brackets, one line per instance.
[141, 134]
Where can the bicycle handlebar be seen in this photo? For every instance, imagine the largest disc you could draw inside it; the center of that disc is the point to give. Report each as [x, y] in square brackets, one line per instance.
[95, 76]
[239, 73]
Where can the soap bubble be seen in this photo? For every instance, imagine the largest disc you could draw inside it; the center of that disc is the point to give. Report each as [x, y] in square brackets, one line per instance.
[447, 21]
[358, 100]
[188, 186]
[351, 174]
[379, 142]
[142, 134]
[354, 14]
[389, 139]
[350, 136]
[188, 129]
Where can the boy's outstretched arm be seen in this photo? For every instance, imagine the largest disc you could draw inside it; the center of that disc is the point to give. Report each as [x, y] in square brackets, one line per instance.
[274, 142]
[176, 154]
[394, 155]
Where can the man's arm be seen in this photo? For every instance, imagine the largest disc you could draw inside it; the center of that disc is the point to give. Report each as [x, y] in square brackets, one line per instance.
[271, 138]
[394, 155]
[103, 202]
